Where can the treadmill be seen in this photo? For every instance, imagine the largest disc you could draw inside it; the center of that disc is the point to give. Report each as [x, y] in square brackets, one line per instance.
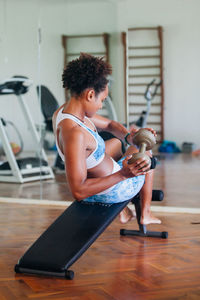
[28, 168]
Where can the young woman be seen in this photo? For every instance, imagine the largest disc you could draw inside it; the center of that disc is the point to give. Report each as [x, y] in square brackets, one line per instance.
[92, 171]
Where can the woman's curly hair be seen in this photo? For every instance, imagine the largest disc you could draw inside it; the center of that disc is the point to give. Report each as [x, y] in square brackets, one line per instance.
[87, 71]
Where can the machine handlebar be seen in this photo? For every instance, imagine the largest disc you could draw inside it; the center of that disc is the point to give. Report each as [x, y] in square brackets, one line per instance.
[149, 95]
[15, 85]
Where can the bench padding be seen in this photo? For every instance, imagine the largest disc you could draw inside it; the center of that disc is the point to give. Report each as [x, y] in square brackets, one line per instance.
[68, 238]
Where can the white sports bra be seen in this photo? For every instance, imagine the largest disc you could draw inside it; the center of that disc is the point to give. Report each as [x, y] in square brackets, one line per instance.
[98, 154]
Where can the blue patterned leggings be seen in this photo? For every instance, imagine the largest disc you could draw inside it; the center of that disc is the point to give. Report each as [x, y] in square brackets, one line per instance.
[121, 191]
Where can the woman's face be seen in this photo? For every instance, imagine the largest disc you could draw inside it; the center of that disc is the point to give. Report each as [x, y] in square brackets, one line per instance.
[97, 102]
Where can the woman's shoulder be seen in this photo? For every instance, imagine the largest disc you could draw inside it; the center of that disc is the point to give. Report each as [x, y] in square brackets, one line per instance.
[54, 117]
[73, 135]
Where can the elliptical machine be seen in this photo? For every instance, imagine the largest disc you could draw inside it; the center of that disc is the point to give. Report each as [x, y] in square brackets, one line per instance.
[149, 96]
[29, 168]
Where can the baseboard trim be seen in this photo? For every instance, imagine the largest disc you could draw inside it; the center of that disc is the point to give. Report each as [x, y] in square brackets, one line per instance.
[154, 208]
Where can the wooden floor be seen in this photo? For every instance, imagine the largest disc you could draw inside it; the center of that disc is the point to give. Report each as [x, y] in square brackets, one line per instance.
[114, 268]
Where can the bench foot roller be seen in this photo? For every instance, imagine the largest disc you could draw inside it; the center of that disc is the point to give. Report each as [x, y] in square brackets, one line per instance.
[163, 234]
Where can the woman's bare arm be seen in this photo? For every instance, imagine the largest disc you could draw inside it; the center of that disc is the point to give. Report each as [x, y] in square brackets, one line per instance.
[114, 127]
[74, 148]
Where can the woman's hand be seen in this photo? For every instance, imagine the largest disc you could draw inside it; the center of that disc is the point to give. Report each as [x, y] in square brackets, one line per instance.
[140, 167]
[152, 131]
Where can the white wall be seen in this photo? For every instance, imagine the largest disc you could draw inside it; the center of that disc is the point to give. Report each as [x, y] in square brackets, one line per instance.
[181, 23]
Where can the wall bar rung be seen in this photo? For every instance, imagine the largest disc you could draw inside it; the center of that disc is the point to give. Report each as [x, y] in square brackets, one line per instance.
[143, 104]
[143, 56]
[143, 47]
[84, 36]
[138, 114]
[154, 123]
[139, 84]
[145, 67]
[140, 94]
[142, 28]
[92, 53]
[144, 75]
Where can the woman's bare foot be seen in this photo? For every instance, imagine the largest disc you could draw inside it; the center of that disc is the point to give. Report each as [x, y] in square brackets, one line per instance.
[196, 152]
[149, 219]
[126, 215]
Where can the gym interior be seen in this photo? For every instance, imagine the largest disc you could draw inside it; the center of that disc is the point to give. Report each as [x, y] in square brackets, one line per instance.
[153, 47]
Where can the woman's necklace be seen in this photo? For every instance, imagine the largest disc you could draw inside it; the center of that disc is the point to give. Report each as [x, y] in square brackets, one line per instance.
[94, 129]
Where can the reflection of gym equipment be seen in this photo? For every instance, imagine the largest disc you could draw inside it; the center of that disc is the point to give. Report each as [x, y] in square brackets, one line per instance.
[72, 234]
[28, 168]
[145, 140]
[149, 96]
[16, 148]
[49, 105]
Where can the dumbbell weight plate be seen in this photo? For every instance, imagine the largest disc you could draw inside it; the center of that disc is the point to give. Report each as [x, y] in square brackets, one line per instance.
[144, 136]
[138, 155]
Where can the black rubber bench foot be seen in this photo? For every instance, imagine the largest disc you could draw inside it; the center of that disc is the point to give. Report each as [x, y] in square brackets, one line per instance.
[163, 234]
[16, 269]
[68, 274]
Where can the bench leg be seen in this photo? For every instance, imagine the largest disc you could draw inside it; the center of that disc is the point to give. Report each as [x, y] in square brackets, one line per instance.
[142, 228]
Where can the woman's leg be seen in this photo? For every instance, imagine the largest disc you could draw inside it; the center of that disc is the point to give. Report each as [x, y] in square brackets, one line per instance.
[127, 214]
[114, 149]
[145, 195]
[145, 198]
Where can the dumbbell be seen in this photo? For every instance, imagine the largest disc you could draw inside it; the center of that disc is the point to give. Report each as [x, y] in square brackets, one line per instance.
[145, 140]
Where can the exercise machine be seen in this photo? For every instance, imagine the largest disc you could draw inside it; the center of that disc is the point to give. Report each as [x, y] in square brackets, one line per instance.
[149, 96]
[28, 168]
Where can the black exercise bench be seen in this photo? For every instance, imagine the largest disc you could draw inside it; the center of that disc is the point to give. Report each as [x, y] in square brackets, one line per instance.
[72, 233]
